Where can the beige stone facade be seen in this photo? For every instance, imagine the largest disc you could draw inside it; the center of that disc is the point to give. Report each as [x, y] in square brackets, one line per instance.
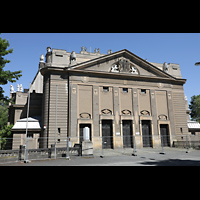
[110, 94]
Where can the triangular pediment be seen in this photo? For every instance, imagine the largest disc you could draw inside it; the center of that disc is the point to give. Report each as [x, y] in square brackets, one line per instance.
[122, 62]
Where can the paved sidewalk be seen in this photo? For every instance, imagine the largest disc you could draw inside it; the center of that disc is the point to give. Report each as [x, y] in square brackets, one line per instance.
[145, 157]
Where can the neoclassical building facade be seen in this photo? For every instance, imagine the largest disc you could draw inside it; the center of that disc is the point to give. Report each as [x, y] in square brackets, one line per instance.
[116, 95]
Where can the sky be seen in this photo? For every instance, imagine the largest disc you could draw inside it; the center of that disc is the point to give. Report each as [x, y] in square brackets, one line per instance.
[180, 48]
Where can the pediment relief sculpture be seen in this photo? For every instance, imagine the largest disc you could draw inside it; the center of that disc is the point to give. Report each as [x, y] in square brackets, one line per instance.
[124, 66]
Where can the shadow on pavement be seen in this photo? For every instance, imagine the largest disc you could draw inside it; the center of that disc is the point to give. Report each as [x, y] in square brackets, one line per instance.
[173, 162]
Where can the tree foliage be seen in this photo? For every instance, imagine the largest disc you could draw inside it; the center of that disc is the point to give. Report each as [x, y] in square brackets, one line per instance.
[3, 114]
[5, 130]
[195, 108]
[5, 136]
[6, 75]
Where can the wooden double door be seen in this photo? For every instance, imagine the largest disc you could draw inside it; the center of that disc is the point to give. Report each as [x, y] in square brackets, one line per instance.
[107, 134]
[127, 134]
[146, 133]
[164, 133]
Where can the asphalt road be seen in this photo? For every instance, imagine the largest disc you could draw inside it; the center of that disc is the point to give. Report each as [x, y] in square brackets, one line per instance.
[145, 157]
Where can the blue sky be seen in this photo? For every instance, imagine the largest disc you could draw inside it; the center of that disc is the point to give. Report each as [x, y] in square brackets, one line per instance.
[181, 48]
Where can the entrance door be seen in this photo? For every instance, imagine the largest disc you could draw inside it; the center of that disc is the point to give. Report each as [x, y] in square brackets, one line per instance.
[146, 133]
[165, 135]
[82, 126]
[107, 134]
[127, 134]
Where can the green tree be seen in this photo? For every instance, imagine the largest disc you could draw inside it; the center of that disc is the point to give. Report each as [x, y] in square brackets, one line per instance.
[6, 75]
[5, 130]
[5, 136]
[3, 113]
[195, 108]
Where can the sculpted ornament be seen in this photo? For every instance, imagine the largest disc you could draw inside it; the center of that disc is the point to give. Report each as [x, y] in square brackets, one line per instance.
[126, 112]
[145, 112]
[134, 70]
[106, 112]
[114, 68]
[124, 66]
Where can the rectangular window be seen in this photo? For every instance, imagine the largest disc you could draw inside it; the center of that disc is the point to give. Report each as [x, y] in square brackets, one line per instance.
[143, 91]
[125, 90]
[106, 89]
[193, 133]
[59, 54]
[59, 131]
[30, 135]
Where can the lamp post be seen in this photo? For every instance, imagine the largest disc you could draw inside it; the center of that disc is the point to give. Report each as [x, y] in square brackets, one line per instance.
[26, 149]
[56, 121]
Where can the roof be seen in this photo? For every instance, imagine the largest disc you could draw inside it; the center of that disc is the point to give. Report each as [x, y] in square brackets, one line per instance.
[193, 125]
[89, 67]
[33, 124]
[122, 52]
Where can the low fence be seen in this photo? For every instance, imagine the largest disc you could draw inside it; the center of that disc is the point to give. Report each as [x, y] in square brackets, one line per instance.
[47, 153]
[187, 141]
[67, 147]
[58, 149]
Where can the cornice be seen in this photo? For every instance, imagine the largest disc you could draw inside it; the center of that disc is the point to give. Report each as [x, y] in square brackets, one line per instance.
[129, 76]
